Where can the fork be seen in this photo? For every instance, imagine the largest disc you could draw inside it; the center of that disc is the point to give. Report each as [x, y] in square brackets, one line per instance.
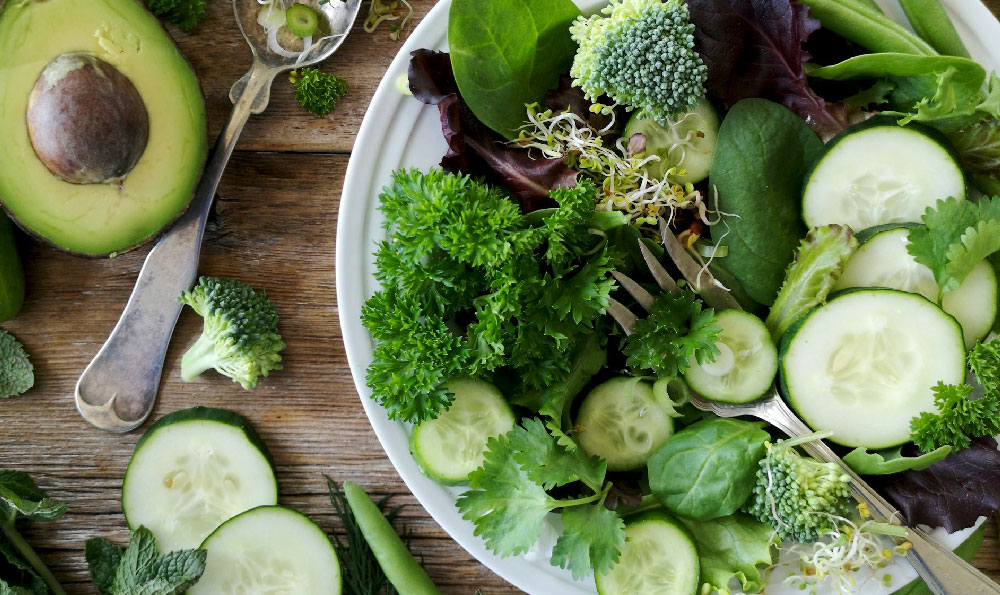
[943, 571]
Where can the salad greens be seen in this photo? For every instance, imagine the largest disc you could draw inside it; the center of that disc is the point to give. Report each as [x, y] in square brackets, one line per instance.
[676, 331]
[762, 155]
[17, 374]
[955, 236]
[508, 53]
[733, 546]
[706, 470]
[892, 460]
[140, 568]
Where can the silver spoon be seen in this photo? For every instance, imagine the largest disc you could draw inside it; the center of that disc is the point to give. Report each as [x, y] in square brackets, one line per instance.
[118, 389]
[943, 571]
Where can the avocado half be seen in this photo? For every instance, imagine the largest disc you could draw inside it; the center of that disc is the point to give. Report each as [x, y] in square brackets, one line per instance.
[104, 136]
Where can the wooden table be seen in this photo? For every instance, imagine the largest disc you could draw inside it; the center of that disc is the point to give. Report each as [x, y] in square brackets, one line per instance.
[274, 227]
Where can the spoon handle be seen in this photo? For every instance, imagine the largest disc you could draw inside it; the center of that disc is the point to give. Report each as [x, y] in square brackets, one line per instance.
[943, 571]
[118, 389]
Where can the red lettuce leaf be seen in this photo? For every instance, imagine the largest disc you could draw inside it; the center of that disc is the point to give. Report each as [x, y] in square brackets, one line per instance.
[753, 48]
[950, 494]
[473, 148]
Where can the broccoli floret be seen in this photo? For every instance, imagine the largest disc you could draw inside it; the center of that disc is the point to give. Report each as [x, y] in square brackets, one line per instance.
[317, 92]
[641, 54]
[17, 375]
[800, 497]
[240, 337]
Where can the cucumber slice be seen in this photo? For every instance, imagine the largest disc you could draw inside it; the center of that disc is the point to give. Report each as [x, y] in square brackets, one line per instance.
[659, 558]
[880, 172]
[269, 549]
[301, 20]
[882, 261]
[192, 470]
[449, 448]
[621, 422]
[863, 365]
[747, 361]
[688, 143]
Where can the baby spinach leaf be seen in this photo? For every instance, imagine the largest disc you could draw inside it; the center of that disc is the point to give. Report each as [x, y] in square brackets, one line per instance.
[884, 462]
[508, 53]
[761, 158]
[731, 546]
[706, 471]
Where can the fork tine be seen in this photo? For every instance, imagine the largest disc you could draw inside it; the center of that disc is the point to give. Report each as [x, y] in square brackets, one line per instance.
[663, 278]
[635, 290]
[698, 276]
[622, 315]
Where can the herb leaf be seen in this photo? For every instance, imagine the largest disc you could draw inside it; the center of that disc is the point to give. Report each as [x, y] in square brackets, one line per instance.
[17, 375]
[103, 558]
[958, 418]
[956, 235]
[676, 330]
[20, 497]
[550, 464]
[143, 571]
[592, 538]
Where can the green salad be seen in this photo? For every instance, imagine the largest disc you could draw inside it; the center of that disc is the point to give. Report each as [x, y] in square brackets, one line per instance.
[713, 197]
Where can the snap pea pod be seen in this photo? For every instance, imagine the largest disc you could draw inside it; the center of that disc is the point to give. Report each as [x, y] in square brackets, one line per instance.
[931, 22]
[11, 273]
[857, 21]
[398, 565]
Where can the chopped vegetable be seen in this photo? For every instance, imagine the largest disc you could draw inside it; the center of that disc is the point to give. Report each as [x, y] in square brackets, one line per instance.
[316, 91]
[676, 330]
[641, 54]
[393, 555]
[799, 496]
[240, 338]
[819, 261]
[955, 236]
[22, 570]
[140, 568]
[17, 374]
[186, 14]
[301, 20]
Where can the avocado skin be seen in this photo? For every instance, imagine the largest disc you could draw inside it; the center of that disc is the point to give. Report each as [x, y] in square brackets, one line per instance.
[11, 273]
[129, 21]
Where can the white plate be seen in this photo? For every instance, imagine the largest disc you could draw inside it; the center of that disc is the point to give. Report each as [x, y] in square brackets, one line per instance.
[399, 131]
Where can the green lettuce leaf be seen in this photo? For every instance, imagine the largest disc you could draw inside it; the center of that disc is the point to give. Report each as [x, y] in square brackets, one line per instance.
[735, 545]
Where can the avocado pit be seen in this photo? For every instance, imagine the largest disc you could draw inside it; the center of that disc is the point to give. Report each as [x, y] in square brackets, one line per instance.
[86, 120]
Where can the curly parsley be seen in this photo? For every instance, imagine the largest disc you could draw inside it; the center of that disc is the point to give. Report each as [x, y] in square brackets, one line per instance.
[316, 91]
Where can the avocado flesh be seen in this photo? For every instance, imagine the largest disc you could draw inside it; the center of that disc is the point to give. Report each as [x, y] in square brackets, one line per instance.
[99, 219]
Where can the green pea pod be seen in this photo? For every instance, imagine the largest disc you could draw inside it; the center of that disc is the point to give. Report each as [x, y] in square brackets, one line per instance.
[857, 21]
[931, 22]
[11, 273]
[398, 565]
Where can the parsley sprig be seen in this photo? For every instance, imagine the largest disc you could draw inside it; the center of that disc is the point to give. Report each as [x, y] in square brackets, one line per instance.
[676, 331]
[508, 500]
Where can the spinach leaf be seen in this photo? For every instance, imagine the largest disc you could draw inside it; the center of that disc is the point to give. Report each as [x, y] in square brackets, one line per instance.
[508, 53]
[885, 462]
[706, 471]
[731, 546]
[761, 158]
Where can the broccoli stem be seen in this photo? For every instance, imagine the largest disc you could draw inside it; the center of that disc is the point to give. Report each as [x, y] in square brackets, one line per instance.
[28, 554]
[199, 358]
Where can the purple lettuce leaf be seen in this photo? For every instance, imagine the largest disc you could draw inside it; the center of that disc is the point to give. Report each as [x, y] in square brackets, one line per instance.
[950, 494]
[474, 149]
[753, 48]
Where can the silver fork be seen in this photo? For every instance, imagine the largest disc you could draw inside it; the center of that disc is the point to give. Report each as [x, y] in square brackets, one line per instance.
[118, 389]
[943, 571]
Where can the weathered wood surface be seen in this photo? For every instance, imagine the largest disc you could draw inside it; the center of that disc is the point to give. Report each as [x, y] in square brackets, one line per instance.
[274, 227]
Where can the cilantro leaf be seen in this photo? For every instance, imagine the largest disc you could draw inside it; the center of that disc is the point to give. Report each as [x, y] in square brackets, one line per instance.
[956, 235]
[592, 538]
[676, 330]
[506, 506]
[142, 571]
[17, 375]
[103, 558]
[549, 464]
[958, 419]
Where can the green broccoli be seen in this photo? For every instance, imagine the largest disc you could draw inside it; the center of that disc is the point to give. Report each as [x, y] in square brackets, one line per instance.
[317, 91]
[799, 496]
[17, 375]
[642, 56]
[240, 337]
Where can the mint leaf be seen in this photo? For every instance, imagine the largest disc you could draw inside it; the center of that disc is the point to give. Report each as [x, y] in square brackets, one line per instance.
[103, 558]
[142, 571]
[506, 506]
[549, 464]
[18, 576]
[6, 589]
[592, 538]
[20, 497]
[956, 235]
[17, 375]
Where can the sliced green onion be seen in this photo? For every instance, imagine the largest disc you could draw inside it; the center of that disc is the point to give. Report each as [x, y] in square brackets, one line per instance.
[712, 250]
[301, 20]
